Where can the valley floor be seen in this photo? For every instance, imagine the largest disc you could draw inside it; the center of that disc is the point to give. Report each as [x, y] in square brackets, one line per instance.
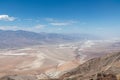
[52, 61]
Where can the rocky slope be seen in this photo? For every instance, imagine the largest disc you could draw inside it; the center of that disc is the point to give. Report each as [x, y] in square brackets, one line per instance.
[109, 64]
[20, 77]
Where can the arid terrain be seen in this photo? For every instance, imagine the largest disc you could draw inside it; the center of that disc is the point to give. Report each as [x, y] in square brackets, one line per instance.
[101, 68]
[52, 61]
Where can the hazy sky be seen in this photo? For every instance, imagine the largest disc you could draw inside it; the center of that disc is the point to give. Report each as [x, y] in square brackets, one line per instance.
[99, 17]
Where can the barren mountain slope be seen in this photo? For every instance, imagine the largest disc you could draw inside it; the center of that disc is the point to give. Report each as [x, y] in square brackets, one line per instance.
[109, 64]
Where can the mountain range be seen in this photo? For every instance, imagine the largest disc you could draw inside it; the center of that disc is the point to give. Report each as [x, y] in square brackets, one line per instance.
[20, 38]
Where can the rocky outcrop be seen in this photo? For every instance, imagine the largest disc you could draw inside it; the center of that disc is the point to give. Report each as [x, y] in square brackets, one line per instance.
[102, 76]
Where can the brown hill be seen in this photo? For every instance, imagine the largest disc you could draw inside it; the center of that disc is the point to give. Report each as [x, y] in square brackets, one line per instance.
[108, 65]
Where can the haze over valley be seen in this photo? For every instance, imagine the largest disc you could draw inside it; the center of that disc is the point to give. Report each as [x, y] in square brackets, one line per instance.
[51, 60]
[59, 39]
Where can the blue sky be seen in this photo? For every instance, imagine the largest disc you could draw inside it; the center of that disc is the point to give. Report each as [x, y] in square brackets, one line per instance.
[99, 17]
